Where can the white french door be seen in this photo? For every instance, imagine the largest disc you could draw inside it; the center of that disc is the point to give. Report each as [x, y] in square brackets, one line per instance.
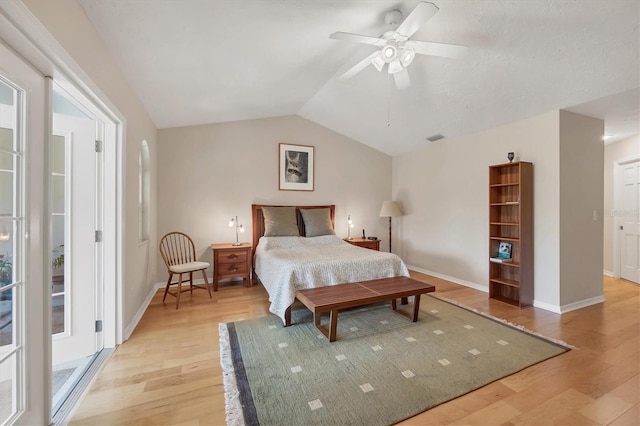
[22, 236]
[75, 199]
[629, 211]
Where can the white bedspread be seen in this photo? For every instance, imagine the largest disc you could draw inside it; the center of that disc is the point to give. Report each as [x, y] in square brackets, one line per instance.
[287, 264]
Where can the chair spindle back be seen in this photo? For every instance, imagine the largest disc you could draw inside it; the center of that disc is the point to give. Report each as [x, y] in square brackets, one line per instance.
[177, 248]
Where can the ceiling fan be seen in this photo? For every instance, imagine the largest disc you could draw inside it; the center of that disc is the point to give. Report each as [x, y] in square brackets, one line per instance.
[395, 49]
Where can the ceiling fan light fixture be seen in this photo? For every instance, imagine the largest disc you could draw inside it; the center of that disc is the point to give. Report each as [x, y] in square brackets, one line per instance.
[406, 56]
[395, 67]
[389, 53]
[378, 62]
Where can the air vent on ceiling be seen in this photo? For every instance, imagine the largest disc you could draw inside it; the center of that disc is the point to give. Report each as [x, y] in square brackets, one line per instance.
[435, 137]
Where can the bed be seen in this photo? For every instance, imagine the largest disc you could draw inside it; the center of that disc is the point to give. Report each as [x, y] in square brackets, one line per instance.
[306, 253]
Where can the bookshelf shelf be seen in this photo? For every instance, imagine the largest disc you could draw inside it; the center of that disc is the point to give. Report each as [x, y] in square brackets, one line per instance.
[504, 281]
[499, 238]
[511, 221]
[495, 185]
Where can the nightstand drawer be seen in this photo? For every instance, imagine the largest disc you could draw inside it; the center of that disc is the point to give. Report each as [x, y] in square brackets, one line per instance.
[232, 256]
[233, 268]
[373, 245]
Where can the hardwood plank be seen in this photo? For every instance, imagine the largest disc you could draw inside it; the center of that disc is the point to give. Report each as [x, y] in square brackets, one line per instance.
[555, 409]
[630, 417]
[169, 372]
[606, 409]
[494, 414]
[628, 391]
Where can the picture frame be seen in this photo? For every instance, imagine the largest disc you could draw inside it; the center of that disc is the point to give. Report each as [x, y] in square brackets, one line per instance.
[295, 167]
[504, 250]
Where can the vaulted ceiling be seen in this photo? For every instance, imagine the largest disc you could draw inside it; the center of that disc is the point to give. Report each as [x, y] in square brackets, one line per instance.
[209, 61]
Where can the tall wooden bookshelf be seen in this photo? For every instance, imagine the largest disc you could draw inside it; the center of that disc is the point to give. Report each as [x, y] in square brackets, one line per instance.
[511, 221]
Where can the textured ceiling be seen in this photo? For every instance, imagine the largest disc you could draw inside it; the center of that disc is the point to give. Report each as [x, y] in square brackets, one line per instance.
[202, 61]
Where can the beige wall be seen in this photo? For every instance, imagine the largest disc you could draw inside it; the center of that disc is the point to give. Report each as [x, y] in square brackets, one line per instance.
[68, 24]
[211, 173]
[614, 153]
[444, 190]
[581, 194]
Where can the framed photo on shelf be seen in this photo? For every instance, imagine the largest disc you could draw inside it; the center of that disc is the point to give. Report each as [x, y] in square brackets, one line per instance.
[504, 250]
[296, 167]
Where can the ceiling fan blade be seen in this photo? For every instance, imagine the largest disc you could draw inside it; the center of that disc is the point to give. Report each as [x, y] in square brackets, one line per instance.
[402, 79]
[445, 50]
[358, 67]
[357, 38]
[416, 19]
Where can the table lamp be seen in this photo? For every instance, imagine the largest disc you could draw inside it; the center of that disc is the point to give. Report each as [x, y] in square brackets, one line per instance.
[234, 222]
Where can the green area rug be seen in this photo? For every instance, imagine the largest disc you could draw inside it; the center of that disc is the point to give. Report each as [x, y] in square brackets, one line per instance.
[381, 370]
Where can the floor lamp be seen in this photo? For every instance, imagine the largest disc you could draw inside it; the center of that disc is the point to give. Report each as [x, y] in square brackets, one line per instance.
[390, 209]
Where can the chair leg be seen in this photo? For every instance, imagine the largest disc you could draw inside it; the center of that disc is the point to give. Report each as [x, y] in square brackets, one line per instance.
[206, 283]
[166, 289]
[179, 291]
[191, 282]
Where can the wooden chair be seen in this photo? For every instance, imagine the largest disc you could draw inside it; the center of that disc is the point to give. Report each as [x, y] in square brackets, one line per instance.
[179, 255]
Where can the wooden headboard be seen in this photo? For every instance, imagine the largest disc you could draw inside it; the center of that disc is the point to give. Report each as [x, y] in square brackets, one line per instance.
[257, 219]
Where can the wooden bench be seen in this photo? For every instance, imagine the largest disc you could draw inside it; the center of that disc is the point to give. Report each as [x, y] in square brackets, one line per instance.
[341, 296]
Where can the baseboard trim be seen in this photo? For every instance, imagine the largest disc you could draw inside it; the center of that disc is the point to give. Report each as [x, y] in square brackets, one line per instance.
[454, 280]
[536, 303]
[143, 307]
[608, 273]
[581, 304]
[547, 306]
[145, 304]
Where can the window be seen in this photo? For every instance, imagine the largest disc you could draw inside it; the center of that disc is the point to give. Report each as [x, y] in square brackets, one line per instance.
[144, 192]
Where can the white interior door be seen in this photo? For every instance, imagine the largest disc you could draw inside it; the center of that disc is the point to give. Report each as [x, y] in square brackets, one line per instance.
[74, 222]
[630, 222]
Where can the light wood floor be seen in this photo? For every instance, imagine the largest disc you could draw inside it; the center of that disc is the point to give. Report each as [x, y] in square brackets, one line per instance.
[168, 372]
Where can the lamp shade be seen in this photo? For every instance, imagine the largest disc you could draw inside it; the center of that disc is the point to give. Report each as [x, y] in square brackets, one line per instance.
[390, 209]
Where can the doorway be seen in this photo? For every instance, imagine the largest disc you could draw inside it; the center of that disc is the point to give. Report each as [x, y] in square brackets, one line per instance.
[627, 209]
[76, 210]
[75, 201]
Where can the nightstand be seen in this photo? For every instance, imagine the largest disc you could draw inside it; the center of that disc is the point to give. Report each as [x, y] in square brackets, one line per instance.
[365, 243]
[231, 261]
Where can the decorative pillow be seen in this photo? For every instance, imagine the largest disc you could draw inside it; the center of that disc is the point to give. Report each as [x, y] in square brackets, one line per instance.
[317, 222]
[280, 221]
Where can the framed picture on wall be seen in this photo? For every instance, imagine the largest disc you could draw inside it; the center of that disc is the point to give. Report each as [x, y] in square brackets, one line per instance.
[295, 169]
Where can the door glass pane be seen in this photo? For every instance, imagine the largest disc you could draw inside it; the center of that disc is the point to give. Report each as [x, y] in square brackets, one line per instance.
[8, 389]
[6, 320]
[57, 155]
[57, 307]
[57, 254]
[10, 235]
[57, 194]
[6, 159]
[6, 138]
[6, 183]
[58, 220]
